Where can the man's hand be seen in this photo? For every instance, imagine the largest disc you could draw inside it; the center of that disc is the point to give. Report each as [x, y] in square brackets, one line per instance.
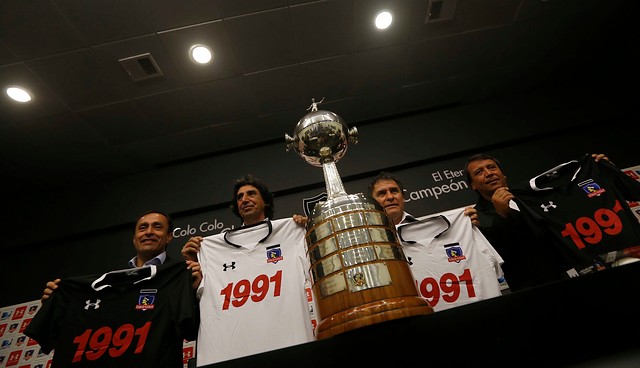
[473, 215]
[50, 287]
[500, 199]
[300, 220]
[190, 250]
[196, 272]
[600, 156]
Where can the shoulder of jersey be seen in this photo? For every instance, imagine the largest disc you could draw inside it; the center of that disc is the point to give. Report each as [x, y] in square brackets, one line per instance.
[214, 236]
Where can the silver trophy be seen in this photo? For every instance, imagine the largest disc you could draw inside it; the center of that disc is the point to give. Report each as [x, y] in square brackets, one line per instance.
[360, 273]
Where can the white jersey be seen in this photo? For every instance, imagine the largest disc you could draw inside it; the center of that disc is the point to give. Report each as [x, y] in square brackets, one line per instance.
[451, 261]
[254, 297]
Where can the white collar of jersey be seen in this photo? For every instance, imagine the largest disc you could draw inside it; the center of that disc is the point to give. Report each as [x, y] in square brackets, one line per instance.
[407, 218]
[552, 174]
[129, 271]
[244, 227]
[423, 221]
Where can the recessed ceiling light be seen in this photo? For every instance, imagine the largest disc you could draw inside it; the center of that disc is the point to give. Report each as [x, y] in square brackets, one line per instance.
[200, 54]
[384, 19]
[18, 94]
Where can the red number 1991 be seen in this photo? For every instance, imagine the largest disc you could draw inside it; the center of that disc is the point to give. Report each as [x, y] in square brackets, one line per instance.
[94, 344]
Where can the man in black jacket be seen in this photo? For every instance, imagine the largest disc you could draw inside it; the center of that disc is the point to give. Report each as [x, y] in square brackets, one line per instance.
[527, 262]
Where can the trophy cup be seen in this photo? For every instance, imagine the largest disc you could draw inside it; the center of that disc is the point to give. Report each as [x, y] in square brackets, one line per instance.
[359, 271]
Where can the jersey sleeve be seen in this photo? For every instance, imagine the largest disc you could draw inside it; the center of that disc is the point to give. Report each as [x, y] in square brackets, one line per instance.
[629, 188]
[187, 311]
[44, 325]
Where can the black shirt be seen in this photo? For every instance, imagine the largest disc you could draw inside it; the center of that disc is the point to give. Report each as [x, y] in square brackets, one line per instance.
[581, 207]
[527, 261]
[127, 318]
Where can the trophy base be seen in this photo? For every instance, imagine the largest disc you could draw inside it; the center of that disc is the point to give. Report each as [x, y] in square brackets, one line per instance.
[360, 272]
[372, 313]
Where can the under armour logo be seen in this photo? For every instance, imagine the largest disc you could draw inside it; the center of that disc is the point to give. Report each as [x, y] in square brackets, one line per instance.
[550, 205]
[95, 305]
[232, 266]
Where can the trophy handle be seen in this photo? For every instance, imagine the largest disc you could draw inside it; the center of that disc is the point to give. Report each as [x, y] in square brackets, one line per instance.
[290, 142]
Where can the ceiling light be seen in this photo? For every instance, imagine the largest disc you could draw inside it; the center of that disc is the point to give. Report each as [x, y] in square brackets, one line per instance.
[201, 54]
[384, 19]
[19, 94]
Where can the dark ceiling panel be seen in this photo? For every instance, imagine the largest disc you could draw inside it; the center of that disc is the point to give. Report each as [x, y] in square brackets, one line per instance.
[262, 40]
[248, 132]
[6, 56]
[424, 95]
[233, 8]
[374, 105]
[170, 112]
[90, 122]
[80, 78]
[36, 28]
[432, 59]
[485, 14]
[477, 52]
[167, 14]
[332, 78]
[275, 90]
[118, 123]
[323, 29]
[105, 21]
[539, 9]
[381, 69]
[224, 100]
[276, 125]
[159, 151]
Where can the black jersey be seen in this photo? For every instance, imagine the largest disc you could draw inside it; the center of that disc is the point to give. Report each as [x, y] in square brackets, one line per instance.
[581, 207]
[137, 317]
